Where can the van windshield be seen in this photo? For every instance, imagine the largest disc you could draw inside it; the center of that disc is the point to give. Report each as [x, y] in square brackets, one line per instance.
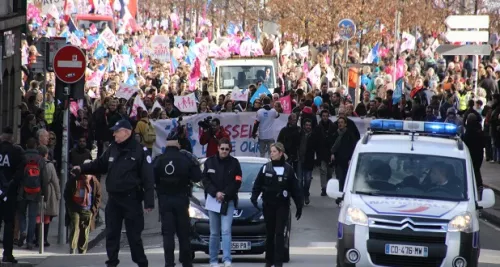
[99, 24]
[243, 76]
[411, 175]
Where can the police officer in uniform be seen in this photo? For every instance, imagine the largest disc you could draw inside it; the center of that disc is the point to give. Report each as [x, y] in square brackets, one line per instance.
[174, 171]
[129, 182]
[12, 162]
[277, 183]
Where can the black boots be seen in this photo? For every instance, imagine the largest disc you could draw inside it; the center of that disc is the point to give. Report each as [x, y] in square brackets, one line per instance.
[323, 192]
[45, 235]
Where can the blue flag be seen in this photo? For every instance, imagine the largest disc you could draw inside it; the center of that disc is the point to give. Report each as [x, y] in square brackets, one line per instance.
[100, 51]
[261, 90]
[231, 29]
[131, 80]
[174, 62]
[396, 97]
[191, 56]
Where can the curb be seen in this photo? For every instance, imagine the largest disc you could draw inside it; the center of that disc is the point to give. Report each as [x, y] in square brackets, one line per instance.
[95, 239]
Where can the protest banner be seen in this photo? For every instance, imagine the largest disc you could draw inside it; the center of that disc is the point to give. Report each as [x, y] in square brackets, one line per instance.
[160, 48]
[239, 126]
[186, 103]
[126, 91]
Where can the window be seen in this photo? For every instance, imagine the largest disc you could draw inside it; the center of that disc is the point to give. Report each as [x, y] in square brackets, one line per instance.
[411, 175]
[243, 76]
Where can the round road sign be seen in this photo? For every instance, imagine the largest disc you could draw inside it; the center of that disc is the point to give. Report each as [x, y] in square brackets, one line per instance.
[69, 64]
[347, 29]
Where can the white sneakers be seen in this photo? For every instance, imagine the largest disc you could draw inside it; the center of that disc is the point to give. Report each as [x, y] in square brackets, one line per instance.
[226, 264]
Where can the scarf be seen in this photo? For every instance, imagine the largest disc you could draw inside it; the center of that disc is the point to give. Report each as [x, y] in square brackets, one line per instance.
[82, 201]
[414, 91]
[336, 145]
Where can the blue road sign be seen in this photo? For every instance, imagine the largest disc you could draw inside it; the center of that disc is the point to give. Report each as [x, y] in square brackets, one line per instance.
[347, 29]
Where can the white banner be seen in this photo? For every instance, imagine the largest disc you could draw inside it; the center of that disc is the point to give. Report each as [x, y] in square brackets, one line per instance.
[238, 95]
[239, 127]
[126, 91]
[186, 103]
[160, 47]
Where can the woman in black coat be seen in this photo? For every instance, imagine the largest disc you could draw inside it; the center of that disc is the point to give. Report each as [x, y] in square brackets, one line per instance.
[344, 143]
[474, 139]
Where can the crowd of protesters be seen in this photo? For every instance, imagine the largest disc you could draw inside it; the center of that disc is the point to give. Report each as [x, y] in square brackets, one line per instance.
[431, 88]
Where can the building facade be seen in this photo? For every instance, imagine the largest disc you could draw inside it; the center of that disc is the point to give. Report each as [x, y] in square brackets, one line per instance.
[12, 23]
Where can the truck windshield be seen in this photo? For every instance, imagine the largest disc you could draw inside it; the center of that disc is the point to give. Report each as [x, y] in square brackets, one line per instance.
[243, 76]
[99, 24]
[411, 175]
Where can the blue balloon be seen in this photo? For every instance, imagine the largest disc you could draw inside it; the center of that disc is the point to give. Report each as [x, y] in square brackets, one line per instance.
[318, 101]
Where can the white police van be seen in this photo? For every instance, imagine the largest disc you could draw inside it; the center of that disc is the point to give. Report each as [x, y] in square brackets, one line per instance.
[410, 199]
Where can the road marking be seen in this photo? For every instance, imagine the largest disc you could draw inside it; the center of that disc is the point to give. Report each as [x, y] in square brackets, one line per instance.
[490, 225]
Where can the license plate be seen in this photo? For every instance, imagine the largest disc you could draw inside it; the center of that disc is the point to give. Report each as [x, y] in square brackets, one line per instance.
[406, 250]
[239, 245]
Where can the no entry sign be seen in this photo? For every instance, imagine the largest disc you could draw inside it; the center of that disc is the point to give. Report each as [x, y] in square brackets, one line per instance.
[69, 64]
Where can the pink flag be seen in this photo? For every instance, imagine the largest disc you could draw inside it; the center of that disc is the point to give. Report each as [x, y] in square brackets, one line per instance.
[286, 104]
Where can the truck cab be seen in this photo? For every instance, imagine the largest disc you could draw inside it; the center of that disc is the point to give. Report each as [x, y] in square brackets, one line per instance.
[410, 198]
[100, 21]
[243, 71]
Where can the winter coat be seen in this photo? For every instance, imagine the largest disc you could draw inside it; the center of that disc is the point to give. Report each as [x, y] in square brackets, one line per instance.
[53, 195]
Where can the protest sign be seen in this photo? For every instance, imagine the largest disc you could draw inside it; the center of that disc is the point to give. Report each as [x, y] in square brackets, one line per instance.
[238, 125]
[160, 47]
[186, 103]
[126, 91]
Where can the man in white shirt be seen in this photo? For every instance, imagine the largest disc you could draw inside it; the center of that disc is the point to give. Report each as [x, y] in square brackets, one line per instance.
[266, 116]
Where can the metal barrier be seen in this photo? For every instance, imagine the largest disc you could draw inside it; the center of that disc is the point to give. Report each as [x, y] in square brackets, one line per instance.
[41, 236]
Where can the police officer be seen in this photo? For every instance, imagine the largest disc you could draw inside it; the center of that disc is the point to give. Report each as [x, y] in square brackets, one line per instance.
[129, 181]
[277, 182]
[174, 171]
[12, 162]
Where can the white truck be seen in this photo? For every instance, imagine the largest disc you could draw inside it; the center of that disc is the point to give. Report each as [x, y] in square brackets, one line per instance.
[243, 71]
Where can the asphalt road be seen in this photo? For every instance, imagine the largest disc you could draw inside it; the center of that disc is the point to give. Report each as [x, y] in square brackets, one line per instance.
[313, 242]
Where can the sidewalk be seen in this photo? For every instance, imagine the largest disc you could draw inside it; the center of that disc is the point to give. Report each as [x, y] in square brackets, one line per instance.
[491, 179]
[34, 258]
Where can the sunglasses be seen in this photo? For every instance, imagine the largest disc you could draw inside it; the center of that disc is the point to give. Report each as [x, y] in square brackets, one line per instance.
[224, 148]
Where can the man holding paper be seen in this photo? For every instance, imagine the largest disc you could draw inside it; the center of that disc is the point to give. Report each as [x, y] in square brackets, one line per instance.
[221, 179]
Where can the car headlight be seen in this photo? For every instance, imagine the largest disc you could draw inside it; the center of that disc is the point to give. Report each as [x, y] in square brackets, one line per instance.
[196, 213]
[461, 223]
[356, 216]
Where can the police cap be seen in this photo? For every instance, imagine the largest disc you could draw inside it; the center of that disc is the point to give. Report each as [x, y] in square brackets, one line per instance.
[121, 124]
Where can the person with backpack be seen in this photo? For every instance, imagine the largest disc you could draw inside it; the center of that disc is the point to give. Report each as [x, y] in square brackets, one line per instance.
[82, 196]
[12, 162]
[146, 131]
[30, 192]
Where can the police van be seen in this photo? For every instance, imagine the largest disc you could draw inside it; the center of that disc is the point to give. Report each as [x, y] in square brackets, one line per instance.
[410, 198]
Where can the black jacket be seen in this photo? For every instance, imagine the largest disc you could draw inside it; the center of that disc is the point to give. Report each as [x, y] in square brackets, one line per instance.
[276, 188]
[129, 170]
[12, 163]
[222, 175]
[323, 140]
[175, 171]
[289, 136]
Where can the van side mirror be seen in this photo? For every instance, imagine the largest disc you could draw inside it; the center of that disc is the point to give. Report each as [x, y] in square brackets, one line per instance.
[487, 200]
[332, 189]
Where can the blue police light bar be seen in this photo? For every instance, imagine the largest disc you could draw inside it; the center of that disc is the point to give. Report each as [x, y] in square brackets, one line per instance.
[438, 128]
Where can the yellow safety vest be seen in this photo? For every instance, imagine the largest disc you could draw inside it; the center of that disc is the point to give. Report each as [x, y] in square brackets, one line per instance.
[462, 101]
[50, 108]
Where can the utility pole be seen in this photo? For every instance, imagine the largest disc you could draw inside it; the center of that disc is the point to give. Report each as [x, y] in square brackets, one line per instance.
[184, 21]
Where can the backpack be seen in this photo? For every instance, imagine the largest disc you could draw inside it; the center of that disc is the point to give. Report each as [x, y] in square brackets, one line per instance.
[149, 135]
[31, 182]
